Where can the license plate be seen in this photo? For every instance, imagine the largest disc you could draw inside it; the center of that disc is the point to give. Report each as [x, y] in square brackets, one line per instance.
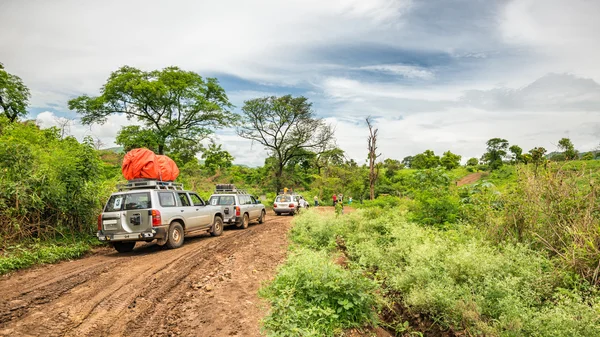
[110, 222]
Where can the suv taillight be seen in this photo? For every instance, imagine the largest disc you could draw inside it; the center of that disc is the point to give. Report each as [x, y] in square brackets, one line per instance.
[237, 210]
[274, 205]
[100, 222]
[291, 205]
[156, 218]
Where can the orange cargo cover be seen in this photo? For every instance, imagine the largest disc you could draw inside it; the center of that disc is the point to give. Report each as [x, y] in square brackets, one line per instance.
[144, 164]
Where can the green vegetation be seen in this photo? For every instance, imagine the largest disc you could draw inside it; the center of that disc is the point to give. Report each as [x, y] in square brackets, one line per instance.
[457, 280]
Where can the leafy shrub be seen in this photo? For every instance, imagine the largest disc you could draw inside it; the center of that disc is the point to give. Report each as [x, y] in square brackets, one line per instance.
[458, 278]
[312, 296]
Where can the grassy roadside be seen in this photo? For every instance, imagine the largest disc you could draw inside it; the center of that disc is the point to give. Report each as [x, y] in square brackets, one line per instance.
[24, 255]
[421, 281]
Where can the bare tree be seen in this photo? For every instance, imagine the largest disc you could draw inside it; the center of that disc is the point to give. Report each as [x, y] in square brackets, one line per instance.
[373, 167]
[64, 124]
[286, 127]
[98, 143]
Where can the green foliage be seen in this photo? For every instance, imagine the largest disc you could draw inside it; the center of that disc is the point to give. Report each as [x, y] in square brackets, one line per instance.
[173, 103]
[24, 255]
[517, 153]
[216, 158]
[472, 162]
[568, 149]
[496, 151]
[50, 186]
[14, 95]
[457, 278]
[425, 160]
[588, 156]
[450, 160]
[537, 157]
[134, 136]
[312, 296]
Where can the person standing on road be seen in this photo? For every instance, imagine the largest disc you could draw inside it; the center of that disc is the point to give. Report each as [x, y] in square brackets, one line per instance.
[316, 201]
[334, 199]
[349, 201]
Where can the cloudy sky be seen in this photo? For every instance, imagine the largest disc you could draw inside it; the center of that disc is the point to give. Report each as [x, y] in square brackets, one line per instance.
[435, 74]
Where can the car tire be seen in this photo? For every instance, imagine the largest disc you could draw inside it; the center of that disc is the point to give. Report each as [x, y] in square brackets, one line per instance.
[263, 215]
[175, 239]
[245, 221]
[217, 227]
[277, 213]
[124, 247]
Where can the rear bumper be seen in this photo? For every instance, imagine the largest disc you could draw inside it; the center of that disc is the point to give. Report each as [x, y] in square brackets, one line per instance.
[283, 209]
[155, 233]
[233, 220]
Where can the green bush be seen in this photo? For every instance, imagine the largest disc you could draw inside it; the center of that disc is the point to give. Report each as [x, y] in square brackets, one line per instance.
[457, 278]
[312, 296]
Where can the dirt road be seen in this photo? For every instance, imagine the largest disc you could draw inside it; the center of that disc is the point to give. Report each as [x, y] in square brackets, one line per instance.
[205, 288]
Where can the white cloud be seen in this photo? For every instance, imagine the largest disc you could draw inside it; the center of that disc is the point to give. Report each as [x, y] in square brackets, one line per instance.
[402, 70]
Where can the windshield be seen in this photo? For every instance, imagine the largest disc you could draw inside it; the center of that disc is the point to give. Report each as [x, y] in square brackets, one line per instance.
[128, 201]
[223, 200]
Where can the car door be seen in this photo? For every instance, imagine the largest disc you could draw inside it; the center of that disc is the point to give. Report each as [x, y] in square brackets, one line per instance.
[205, 214]
[255, 208]
[190, 216]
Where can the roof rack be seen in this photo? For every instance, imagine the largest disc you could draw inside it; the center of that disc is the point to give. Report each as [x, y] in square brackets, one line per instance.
[150, 184]
[229, 188]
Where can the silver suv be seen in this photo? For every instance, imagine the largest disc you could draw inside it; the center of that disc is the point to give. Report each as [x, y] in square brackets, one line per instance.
[287, 203]
[145, 210]
[237, 206]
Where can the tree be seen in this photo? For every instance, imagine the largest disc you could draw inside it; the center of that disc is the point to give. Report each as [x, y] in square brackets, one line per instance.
[450, 160]
[588, 156]
[496, 151]
[372, 156]
[284, 125]
[172, 103]
[215, 158]
[134, 136]
[537, 157]
[407, 161]
[425, 160]
[517, 153]
[568, 149]
[392, 166]
[472, 162]
[327, 157]
[14, 95]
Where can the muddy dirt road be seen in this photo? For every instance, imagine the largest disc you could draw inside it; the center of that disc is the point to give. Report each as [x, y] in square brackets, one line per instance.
[205, 288]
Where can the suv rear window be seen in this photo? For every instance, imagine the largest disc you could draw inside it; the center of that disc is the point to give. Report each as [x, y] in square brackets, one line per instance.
[129, 201]
[283, 198]
[222, 200]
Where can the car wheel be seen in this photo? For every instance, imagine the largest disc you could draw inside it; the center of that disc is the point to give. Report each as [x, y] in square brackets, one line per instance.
[245, 221]
[175, 239]
[263, 215]
[124, 247]
[217, 227]
[277, 213]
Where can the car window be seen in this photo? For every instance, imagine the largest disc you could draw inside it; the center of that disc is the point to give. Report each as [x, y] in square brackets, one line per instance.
[247, 200]
[184, 199]
[196, 200]
[222, 200]
[167, 199]
[283, 198]
[128, 201]
[253, 200]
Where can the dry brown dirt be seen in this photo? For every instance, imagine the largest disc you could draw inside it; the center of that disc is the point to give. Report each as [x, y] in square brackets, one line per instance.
[208, 287]
[469, 179]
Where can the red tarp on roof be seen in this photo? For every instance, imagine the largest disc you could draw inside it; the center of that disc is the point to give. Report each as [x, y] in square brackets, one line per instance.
[144, 164]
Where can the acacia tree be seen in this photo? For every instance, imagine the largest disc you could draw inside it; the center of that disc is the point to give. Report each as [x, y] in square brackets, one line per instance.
[172, 103]
[284, 126]
[537, 157]
[425, 160]
[14, 95]
[373, 155]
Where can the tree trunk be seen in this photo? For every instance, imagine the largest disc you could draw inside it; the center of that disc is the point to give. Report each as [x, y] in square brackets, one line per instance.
[161, 149]
[373, 173]
[278, 182]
